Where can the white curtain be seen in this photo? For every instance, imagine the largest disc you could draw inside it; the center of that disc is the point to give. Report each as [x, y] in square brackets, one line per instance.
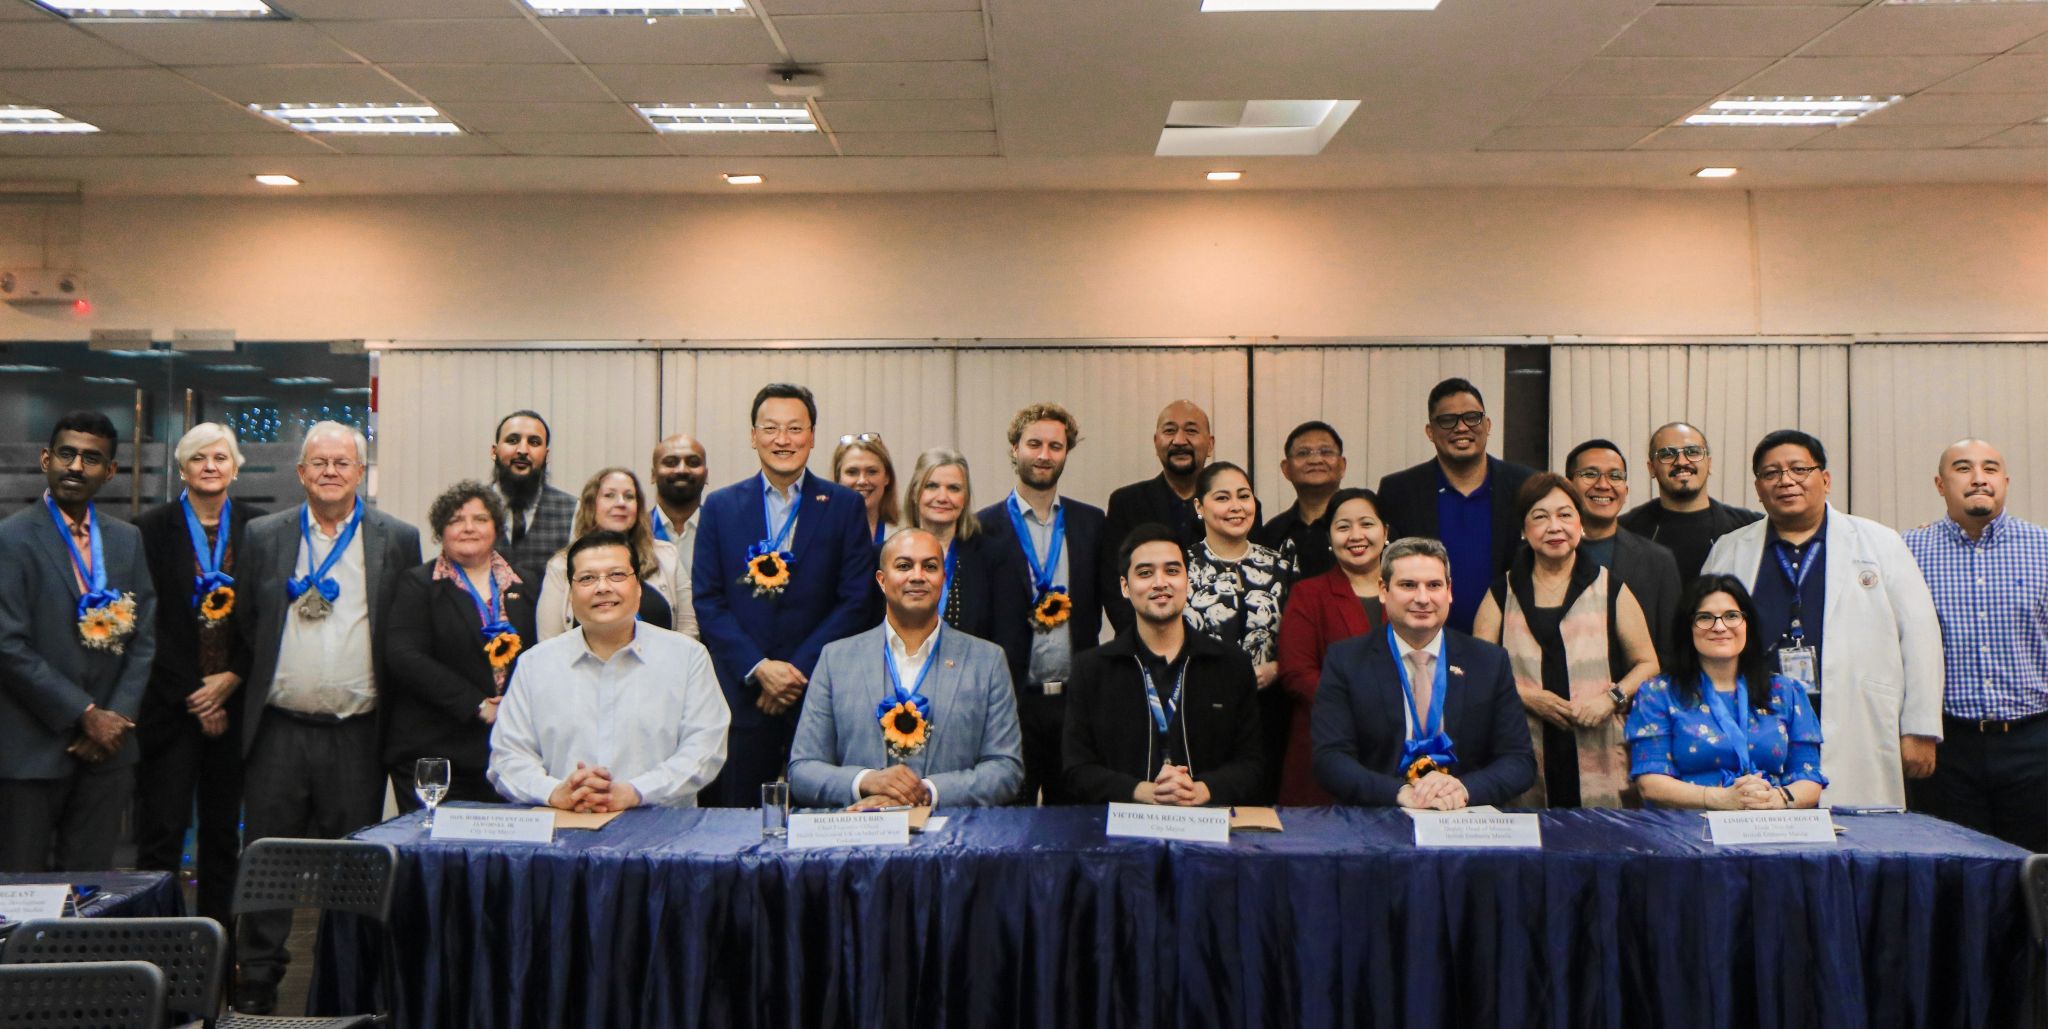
[1912, 400]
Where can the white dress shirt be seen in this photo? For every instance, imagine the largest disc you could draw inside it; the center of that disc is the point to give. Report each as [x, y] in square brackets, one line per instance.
[908, 667]
[652, 714]
[323, 666]
[776, 503]
[1435, 649]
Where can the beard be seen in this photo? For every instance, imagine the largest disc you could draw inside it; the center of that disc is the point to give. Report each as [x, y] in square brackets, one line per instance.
[1682, 492]
[678, 493]
[519, 491]
[1029, 475]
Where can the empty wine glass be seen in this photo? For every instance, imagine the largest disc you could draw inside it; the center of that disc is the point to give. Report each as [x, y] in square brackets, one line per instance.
[430, 781]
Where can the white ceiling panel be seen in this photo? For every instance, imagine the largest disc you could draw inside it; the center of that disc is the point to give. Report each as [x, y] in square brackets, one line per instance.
[2023, 136]
[909, 115]
[709, 83]
[498, 118]
[684, 40]
[945, 36]
[1658, 76]
[2038, 46]
[412, 146]
[2012, 73]
[1610, 110]
[45, 44]
[923, 80]
[1962, 109]
[104, 86]
[609, 144]
[918, 144]
[763, 144]
[1952, 28]
[181, 43]
[447, 41]
[302, 84]
[217, 117]
[25, 12]
[566, 83]
[1900, 137]
[1855, 76]
[163, 145]
[1726, 137]
[777, 7]
[364, 9]
[1564, 137]
[1715, 31]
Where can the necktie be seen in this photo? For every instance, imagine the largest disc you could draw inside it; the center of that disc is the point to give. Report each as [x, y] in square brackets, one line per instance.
[1421, 664]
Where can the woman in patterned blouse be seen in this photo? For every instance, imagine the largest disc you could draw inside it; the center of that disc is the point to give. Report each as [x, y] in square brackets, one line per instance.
[1236, 591]
[1720, 731]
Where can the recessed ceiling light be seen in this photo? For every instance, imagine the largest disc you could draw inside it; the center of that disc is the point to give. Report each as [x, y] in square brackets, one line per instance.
[109, 380]
[1716, 173]
[1789, 110]
[362, 119]
[1212, 6]
[604, 9]
[1251, 128]
[275, 180]
[744, 180]
[762, 117]
[39, 121]
[160, 8]
[151, 354]
[1225, 176]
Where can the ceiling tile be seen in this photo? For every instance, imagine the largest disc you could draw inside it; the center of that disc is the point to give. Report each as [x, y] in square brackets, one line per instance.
[909, 115]
[685, 40]
[1649, 111]
[106, 85]
[451, 41]
[320, 10]
[163, 145]
[413, 146]
[766, 144]
[1762, 3]
[608, 144]
[1854, 76]
[819, 38]
[2023, 136]
[185, 43]
[544, 117]
[216, 117]
[1962, 109]
[2038, 46]
[1658, 76]
[32, 44]
[918, 144]
[1558, 137]
[709, 83]
[1902, 29]
[1730, 137]
[1713, 31]
[779, 7]
[921, 80]
[2011, 73]
[25, 12]
[302, 84]
[1900, 137]
[500, 82]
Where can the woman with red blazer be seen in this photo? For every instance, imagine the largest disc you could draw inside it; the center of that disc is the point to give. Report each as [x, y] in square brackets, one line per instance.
[1336, 605]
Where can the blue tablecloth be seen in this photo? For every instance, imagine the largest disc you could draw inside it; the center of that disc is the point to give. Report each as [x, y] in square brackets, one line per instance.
[116, 894]
[1032, 917]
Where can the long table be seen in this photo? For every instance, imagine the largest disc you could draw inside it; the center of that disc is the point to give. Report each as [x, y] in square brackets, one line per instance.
[115, 894]
[1033, 917]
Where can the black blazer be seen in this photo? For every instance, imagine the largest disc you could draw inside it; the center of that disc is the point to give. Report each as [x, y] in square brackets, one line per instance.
[167, 547]
[1136, 504]
[1110, 746]
[1408, 505]
[1651, 573]
[1014, 633]
[1360, 721]
[437, 671]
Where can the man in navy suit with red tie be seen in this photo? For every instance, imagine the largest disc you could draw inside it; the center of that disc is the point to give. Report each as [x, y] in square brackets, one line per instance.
[782, 568]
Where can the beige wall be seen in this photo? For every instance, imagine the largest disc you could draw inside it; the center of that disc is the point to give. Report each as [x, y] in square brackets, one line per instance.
[1054, 265]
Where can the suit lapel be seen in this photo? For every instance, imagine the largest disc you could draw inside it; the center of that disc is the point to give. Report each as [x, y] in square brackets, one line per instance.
[810, 520]
[1352, 614]
[374, 545]
[58, 552]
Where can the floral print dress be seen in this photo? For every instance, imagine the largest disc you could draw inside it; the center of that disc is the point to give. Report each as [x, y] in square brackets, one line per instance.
[1688, 741]
[1239, 602]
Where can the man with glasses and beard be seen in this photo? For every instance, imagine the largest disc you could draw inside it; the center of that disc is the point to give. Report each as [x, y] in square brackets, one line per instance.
[1683, 518]
[538, 516]
[678, 477]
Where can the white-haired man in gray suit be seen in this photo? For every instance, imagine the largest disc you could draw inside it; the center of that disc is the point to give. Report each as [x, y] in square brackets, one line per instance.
[909, 712]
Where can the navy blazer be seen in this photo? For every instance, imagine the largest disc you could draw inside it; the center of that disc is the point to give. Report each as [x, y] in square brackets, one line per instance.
[1360, 722]
[826, 599]
[1084, 586]
[1408, 505]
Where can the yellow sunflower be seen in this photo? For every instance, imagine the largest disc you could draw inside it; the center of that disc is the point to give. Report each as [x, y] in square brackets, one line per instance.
[218, 604]
[904, 730]
[97, 626]
[1422, 766]
[1053, 610]
[767, 573]
[502, 649]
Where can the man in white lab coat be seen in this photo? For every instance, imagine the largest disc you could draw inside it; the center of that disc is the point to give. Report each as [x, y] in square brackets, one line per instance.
[1841, 603]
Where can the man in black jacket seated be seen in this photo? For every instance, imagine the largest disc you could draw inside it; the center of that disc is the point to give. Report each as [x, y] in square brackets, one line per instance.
[1419, 715]
[1161, 715]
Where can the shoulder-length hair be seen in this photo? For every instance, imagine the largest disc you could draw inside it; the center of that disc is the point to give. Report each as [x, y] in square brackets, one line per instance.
[1685, 656]
[931, 461]
[639, 532]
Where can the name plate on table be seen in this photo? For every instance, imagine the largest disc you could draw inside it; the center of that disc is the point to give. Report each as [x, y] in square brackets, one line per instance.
[1739, 828]
[1476, 829]
[850, 829]
[495, 824]
[40, 900]
[1190, 824]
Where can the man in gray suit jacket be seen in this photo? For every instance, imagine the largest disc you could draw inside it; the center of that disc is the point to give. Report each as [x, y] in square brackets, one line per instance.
[908, 712]
[77, 618]
[320, 578]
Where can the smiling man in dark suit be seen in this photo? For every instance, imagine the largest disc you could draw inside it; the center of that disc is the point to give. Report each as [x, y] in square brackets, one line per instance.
[1417, 714]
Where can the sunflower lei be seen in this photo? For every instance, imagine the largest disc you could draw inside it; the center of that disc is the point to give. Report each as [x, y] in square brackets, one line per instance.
[217, 605]
[906, 726]
[107, 626]
[1053, 609]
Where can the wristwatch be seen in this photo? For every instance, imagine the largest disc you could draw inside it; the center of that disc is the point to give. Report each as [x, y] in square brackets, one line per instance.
[1621, 700]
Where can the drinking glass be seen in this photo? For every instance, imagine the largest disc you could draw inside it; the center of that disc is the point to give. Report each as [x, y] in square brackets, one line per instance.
[430, 781]
[775, 809]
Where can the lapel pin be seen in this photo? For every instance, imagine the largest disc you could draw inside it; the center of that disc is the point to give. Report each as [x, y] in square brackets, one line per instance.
[820, 498]
[1868, 579]
[1455, 670]
[949, 662]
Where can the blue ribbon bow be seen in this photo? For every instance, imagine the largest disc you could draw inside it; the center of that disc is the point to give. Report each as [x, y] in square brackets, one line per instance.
[776, 537]
[210, 576]
[1041, 571]
[317, 578]
[914, 696]
[96, 593]
[489, 612]
[1429, 740]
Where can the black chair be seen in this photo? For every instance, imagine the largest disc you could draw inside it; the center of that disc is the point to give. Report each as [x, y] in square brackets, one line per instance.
[344, 876]
[2034, 887]
[189, 951]
[83, 995]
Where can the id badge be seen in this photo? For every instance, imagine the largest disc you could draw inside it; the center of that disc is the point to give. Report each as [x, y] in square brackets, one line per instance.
[1797, 662]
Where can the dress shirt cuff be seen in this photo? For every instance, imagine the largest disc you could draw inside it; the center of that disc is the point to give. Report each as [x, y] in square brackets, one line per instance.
[857, 777]
[750, 672]
[932, 790]
[654, 786]
[543, 789]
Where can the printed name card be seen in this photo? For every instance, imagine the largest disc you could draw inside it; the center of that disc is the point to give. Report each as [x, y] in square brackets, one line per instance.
[1476, 829]
[39, 900]
[1741, 828]
[1189, 824]
[850, 829]
[495, 825]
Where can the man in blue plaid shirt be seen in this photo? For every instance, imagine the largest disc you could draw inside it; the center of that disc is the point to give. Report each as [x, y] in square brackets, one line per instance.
[1989, 574]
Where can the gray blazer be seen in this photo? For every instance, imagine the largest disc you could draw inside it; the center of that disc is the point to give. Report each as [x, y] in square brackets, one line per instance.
[975, 757]
[271, 556]
[47, 676]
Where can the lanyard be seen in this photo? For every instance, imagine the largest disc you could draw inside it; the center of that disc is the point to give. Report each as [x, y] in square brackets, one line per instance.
[1435, 724]
[661, 527]
[96, 592]
[316, 578]
[210, 575]
[1162, 707]
[881, 532]
[946, 584]
[1796, 578]
[915, 694]
[1732, 725]
[772, 543]
[1041, 572]
[490, 610]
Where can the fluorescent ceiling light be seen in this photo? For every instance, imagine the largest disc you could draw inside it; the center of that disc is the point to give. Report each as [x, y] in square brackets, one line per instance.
[1251, 128]
[161, 355]
[1215, 6]
[275, 180]
[232, 368]
[1789, 110]
[603, 9]
[763, 117]
[362, 119]
[25, 369]
[351, 391]
[1225, 176]
[39, 121]
[244, 400]
[1716, 173]
[301, 380]
[160, 8]
[109, 380]
[743, 180]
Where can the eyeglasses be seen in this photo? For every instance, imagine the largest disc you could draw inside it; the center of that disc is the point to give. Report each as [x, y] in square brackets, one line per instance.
[1326, 453]
[860, 437]
[339, 464]
[792, 429]
[89, 458]
[1447, 422]
[1706, 619]
[1797, 473]
[1670, 455]
[1592, 476]
[589, 580]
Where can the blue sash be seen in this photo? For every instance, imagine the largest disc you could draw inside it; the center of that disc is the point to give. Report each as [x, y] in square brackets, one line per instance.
[1428, 739]
[914, 696]
[210, 576]
[96, 593]
[1728, 717]
[317, 578]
